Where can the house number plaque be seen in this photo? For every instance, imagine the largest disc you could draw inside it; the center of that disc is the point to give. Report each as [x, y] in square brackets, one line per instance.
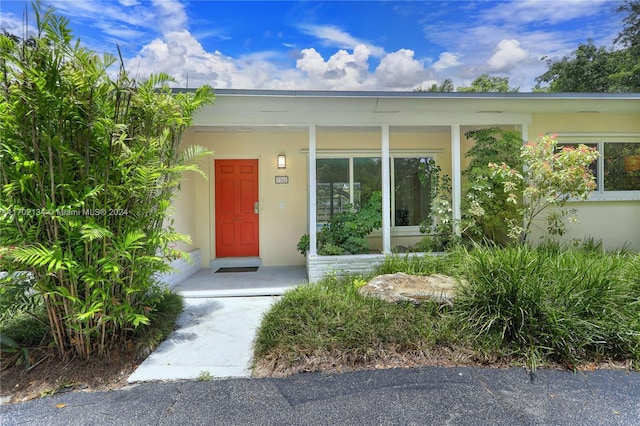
[282, 179]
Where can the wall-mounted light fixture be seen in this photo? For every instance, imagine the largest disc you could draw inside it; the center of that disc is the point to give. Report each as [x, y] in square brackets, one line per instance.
[282, 161]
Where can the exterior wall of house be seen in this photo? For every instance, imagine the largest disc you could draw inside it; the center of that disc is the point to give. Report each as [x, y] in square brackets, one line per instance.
[615, 222]
[283, 207]
[182, 213]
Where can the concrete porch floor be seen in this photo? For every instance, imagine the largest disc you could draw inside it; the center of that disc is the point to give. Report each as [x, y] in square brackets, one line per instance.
[266, 281]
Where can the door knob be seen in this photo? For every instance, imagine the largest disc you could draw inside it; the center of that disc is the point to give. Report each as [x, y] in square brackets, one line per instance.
[256, 207]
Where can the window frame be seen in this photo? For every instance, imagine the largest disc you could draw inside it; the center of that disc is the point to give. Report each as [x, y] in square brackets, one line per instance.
[396, 231]
[600, 140]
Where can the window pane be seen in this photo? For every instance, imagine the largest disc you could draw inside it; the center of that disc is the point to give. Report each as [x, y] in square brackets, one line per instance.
[621, 166]
[594, 165]
[332, 187]
[367, 178]
[412, 201]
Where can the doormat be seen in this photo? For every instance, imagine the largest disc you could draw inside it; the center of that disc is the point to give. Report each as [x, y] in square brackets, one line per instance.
[238, 269]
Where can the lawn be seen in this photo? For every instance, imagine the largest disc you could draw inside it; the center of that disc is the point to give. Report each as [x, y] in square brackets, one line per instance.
[545, 306]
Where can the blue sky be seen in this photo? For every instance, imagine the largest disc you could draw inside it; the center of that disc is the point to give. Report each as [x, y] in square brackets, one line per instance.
[334, 45]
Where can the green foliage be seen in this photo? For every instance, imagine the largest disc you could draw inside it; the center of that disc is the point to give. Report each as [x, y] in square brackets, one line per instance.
[516, 304]
[439, 224]
[592, 69]
[564, 305]
[347, 231]
[162, 321]
[549, 179]
[489, 83]
[629, 36]
[88, 168]
[600, 69]
[486, 212]
[204, 376]
[21, 354]
[17, 294]
[445, 86]
[446, 263]
[332, 319]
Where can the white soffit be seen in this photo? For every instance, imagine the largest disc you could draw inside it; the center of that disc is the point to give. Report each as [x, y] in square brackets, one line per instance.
[246, 108]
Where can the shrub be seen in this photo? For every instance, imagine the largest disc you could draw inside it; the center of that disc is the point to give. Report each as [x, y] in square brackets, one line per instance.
[550, 178]
[347, 231]
[516, 304]
[88, 170]
[565, 304]
[485, 207]
[439, 223]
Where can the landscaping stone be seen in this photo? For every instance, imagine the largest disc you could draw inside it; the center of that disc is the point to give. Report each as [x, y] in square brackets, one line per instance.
[401, 287]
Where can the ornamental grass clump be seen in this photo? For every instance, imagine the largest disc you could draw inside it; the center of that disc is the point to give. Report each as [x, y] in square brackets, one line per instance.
[564, 305]
[88, 168]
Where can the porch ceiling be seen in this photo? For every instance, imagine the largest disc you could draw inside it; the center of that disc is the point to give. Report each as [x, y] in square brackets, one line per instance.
[252, 108]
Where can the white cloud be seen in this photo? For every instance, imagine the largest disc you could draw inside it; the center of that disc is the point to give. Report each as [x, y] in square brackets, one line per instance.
[330, 35]
[98, 11]
[342, 71]
[182, 56]
[14, 25]
[171, 15]
[400, 71]
[540, 11]
[507, 55]
[446, 60]
[506, 37]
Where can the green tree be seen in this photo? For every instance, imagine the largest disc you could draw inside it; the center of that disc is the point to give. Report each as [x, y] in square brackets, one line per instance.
[589, 69]
[88, 168]
[629, 36]
[445, 86]
[599, 69]
[486, 210]
[489, 83]
[548, 180]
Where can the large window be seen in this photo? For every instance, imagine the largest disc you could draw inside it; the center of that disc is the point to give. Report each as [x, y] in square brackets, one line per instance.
[333, 189]
[344, 181]
[617, 170]
[410, 198]
[621, 166]
[352, 180]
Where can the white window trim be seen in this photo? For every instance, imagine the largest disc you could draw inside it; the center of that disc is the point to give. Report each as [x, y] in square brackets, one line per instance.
[396, 231]
[600, 139]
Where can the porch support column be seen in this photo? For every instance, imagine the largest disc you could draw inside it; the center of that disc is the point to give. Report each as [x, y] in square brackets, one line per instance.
[313, 246]
[456, 176]
[524, 130]
[386, 191]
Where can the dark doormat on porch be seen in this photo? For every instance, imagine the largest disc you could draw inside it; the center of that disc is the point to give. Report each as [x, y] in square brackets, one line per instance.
[238, 269]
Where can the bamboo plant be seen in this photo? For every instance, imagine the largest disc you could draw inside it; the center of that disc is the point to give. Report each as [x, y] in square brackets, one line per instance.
[88, 168]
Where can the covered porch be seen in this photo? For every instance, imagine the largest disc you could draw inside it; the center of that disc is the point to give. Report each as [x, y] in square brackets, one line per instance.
[335, 141]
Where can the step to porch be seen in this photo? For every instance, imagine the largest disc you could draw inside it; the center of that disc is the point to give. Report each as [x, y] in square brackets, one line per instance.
[235, 262]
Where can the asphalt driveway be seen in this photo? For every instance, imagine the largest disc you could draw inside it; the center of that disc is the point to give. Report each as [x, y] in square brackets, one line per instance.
[424, 396]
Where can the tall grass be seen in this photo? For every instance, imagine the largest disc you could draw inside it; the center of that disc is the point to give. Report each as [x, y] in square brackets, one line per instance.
[568, 305]
[446, 263]
[531, 305]
[332, 319]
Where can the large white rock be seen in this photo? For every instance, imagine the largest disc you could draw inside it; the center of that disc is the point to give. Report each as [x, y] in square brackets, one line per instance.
[401, 287]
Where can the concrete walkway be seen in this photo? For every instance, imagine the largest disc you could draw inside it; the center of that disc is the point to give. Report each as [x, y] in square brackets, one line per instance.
[216, 330]
[266, 281]
[214, 338]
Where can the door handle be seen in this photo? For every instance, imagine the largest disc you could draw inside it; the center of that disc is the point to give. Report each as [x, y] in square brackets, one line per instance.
[256, 207]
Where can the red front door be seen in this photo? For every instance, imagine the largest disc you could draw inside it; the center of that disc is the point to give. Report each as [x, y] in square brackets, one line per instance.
[236, 208]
